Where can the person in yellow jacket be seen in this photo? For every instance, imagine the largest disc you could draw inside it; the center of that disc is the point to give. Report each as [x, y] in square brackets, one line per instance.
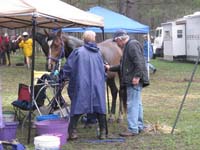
[27, 45]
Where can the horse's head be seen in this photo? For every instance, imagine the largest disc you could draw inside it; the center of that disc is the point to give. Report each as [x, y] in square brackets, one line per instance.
[61, 46]
[56, 50]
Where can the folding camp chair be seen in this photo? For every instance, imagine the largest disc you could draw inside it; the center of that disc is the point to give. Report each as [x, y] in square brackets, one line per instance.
[23, 103]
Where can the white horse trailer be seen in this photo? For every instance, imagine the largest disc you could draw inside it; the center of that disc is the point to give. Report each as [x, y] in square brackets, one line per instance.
[174, 40]
[193, 35]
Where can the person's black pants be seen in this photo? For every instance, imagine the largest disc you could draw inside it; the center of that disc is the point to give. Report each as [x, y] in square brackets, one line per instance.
[74, 120]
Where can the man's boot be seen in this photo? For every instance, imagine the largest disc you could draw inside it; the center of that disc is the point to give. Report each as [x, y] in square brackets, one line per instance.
[73, 135]
[72, 127]
[102, 126]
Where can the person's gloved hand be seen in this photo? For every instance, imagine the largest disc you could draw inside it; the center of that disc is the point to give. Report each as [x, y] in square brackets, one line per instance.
[56, 73]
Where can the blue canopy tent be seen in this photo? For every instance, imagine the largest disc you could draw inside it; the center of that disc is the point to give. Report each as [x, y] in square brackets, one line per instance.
[112, 22]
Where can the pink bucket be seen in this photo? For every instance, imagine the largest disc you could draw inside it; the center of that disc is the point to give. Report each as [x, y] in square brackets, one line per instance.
[53, 127]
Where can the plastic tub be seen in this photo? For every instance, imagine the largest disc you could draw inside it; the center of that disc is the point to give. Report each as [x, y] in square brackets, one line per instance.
[47, 117]
[53, 127]
[8, 133]
[47, 142]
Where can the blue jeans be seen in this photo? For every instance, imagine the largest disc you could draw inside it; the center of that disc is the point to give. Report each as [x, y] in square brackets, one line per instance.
[151, 67]
[134, 108]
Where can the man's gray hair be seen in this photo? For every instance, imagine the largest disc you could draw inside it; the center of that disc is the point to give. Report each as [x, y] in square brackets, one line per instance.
[123, 37]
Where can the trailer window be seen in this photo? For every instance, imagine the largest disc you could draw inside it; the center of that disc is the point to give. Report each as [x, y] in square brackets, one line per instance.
[157, 33]
[179, 33]
[160, 32]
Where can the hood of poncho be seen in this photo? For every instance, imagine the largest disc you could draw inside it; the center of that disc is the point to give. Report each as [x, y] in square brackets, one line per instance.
[91, 46]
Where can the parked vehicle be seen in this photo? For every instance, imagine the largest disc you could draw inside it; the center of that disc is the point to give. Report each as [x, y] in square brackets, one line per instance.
[158, 42]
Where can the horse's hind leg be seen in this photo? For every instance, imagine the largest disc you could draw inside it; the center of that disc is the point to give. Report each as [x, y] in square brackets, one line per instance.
[122, 101]
[8, 55]
[113, 88]
[4, 58]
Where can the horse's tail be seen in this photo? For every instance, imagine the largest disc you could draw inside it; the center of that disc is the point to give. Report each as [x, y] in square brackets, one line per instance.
[123, 97]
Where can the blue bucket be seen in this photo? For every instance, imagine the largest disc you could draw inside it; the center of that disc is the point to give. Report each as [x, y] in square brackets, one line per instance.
[47, 117]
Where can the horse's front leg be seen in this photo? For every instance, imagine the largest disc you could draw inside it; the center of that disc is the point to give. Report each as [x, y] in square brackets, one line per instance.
[114, 90]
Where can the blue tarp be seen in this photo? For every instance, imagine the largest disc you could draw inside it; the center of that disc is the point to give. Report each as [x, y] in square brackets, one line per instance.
[112, 22]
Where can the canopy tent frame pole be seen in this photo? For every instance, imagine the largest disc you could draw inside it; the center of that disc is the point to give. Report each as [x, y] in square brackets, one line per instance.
[148, 52]
[32, 78]
[186, 92]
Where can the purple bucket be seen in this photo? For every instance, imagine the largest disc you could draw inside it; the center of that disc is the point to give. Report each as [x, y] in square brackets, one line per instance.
[59, 127]
[8, 133]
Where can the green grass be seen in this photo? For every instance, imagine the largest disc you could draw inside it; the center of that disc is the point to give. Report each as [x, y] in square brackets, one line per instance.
[161, 101]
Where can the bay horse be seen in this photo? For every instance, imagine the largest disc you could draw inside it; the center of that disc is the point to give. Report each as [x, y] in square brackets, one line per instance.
[63, 45]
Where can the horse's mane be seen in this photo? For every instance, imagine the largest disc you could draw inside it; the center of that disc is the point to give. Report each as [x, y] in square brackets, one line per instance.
[72, 42]
[41, 39]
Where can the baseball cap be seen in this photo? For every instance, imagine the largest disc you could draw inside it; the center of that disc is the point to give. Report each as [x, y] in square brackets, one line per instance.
[118, 34]
[25, 34]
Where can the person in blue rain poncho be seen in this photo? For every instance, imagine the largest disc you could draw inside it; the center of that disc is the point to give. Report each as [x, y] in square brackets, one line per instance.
[85, 70]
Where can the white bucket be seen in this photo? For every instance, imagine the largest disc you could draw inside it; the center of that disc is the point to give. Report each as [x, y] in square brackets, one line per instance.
[8, 116]
[47, 142]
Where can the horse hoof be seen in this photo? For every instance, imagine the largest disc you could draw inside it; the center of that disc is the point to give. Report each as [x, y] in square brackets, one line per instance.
[111, 120]
[119, 120]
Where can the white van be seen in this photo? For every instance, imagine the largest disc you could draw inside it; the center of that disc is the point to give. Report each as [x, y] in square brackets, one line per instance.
[158, 42]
